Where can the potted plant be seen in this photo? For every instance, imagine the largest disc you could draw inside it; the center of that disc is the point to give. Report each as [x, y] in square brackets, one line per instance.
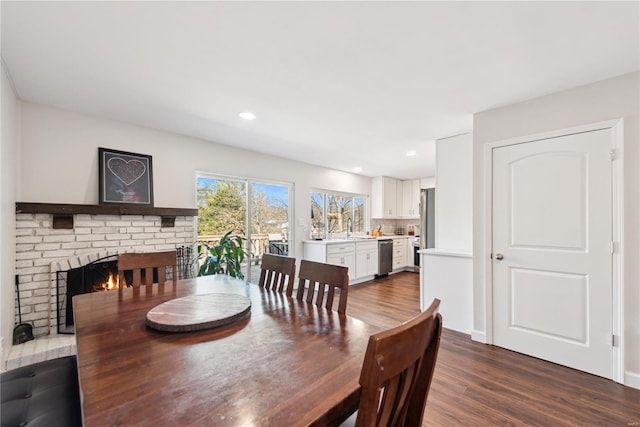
[225, 257]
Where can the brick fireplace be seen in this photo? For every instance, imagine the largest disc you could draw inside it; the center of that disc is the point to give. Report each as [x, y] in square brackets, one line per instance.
[42, 249]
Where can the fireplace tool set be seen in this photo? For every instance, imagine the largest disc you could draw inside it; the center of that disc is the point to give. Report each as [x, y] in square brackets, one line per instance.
[22, 332]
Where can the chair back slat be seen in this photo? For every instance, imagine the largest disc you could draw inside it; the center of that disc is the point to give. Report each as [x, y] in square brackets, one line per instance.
[142, 266]
[277, 273]
[397, 371]
[137, 277]
[317, 284]
[162, 274]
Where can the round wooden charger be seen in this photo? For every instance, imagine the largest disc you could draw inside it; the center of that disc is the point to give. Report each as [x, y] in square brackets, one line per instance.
[197, 312]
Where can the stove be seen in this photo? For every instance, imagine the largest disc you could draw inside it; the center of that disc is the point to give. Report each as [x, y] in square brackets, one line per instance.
[416, 255]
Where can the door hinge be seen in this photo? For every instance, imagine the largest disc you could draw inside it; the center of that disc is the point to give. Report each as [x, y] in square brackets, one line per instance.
[614, 340]
[612, 247]
[612, 155]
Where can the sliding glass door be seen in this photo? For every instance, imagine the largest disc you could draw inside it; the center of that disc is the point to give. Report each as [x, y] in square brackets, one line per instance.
[257, 210]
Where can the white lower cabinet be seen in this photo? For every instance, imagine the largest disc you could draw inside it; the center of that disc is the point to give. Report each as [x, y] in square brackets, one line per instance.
[399, 253]
[343, 254]
[345, 260]
[361, 258]
[366, 259]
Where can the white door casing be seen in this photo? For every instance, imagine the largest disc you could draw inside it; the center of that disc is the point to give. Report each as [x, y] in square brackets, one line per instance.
[552, 224]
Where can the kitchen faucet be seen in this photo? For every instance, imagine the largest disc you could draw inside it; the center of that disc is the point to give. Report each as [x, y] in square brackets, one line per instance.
[349, 225]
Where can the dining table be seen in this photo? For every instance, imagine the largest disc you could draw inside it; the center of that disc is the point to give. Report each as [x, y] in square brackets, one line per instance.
[285, 363]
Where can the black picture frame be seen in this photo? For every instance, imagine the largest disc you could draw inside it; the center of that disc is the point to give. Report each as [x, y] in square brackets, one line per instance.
[125, 179]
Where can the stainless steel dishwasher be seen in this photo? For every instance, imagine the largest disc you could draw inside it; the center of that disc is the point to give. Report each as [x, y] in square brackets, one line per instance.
[385, 256]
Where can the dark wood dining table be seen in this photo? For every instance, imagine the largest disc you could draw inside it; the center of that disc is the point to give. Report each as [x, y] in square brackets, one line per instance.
[288, 363]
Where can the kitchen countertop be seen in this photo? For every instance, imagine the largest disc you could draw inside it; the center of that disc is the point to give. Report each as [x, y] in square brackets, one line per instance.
[441, 252]
[356, 239]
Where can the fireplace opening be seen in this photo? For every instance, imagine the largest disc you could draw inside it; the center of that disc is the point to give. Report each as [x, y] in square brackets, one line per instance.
[100, 275]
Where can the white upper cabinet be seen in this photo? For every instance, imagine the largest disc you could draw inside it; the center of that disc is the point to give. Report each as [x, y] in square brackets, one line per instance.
[391, 198]
[410, 198]
[383, 198]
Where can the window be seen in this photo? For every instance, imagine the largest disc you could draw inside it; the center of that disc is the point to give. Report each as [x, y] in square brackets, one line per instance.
[335, 213]
[257, 210]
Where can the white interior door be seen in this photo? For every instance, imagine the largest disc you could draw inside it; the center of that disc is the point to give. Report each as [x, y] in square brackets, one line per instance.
[552, 227]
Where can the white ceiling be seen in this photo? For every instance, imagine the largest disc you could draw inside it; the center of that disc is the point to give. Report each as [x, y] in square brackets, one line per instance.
[337, 84]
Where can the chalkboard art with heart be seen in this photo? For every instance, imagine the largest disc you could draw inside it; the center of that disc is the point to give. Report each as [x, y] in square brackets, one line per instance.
[125, 178]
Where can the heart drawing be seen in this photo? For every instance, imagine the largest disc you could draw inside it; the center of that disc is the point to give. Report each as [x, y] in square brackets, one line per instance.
[127, 171]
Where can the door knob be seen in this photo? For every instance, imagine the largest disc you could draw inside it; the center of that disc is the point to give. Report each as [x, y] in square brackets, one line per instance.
[499, 257]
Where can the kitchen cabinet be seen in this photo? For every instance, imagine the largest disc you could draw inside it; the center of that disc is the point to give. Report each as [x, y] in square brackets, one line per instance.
[366, 258]
[384, 192]
[338, 253]
[345, 260]
[391, 198]
[399, 253]
[410, 198]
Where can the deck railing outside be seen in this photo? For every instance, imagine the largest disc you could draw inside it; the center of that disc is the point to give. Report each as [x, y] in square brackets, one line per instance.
[260, 244]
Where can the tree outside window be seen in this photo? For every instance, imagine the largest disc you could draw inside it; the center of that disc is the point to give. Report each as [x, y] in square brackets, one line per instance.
[333, 213]
[317, 215]
[221, 206]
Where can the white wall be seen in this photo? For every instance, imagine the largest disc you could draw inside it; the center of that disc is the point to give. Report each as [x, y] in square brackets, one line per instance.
[606, 100]
[429, 182]
[454, 193]
[8, 184]
[59, 158]
[446, 270]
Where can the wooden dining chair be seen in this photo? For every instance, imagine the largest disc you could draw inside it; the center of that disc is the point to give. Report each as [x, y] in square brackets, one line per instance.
[320, 282]
[277, 273]
[143, 265]
[397, 371]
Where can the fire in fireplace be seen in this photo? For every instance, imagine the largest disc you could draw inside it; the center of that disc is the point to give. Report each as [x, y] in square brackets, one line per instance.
[112, 282]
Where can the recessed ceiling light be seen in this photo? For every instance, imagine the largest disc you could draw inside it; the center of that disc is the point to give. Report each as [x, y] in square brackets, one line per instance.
[411, 153]
[357, 169]
[247, 115]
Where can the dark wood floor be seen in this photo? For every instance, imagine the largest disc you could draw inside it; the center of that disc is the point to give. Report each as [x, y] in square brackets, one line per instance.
[481, 385]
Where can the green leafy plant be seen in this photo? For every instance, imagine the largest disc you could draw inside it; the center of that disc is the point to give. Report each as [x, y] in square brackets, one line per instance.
[225, 257]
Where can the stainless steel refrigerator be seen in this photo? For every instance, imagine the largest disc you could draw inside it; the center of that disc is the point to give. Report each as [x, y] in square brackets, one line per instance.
[427, 218]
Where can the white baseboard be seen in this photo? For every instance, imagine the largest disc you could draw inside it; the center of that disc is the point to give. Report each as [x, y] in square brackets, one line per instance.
[478, 336]
[632, 379]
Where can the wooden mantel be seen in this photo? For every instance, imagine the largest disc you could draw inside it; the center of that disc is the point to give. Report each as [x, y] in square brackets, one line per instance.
[63, 213]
